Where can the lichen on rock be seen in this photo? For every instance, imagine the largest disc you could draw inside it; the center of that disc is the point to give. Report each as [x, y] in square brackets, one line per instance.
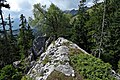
[55, 58]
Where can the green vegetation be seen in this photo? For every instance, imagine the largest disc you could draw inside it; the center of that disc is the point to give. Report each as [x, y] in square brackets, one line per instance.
[85, 28]
[25, 37]
[55, 75]
[119, 67]
[95, 29]
[10, 73]
[90, 67]
[52, 22]
[26, 78]
[14, 48]
[46, 60]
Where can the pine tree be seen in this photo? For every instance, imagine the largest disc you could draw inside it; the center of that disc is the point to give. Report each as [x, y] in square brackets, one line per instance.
[29, 36]
[95, 29]
[2, 4]
[6, 50]
[21, 37]
[100, 48]
[79, 30]
[9, 22]
[10, 26]
[25, 37]
[113, 23]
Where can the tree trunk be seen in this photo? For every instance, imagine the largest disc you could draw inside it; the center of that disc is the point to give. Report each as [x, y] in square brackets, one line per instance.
[103, 24]
[11, 33]
[4, 30]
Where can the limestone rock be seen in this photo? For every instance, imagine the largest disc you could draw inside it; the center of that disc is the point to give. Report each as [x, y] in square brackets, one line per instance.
[16, 64]
[116, 75]
[38, 45]
[56, 58]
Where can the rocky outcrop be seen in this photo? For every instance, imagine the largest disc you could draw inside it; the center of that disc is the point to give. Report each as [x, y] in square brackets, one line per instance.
[116, 75]
[16, 64]
[38, 45]
[36, 50]
[52, 59]
[56, 58]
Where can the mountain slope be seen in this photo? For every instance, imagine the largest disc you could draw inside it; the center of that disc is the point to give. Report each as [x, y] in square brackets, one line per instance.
[64, 60]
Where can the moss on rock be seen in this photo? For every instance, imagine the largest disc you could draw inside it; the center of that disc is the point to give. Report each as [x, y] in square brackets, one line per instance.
[55, 75]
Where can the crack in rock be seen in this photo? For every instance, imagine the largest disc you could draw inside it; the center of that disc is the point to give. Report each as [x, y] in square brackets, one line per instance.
[55, 58]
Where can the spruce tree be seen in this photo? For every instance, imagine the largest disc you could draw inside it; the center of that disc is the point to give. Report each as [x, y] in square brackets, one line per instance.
[2, 4]
[7, 51]
[79, 30]
[21, 37]
[25, 37]
[29, 36]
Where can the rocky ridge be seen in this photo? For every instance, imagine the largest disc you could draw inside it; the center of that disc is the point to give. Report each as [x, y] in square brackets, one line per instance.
[56, 58]
[53, 60]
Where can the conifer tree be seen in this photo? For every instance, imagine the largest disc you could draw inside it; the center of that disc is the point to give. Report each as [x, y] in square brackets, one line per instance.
[21, 37]
[112, 48]
[100, 49]
[2, 4]
[10, 26]
[95, 29]
[52, 21]
[29, 36]
[9, 23]
[25, 37]
[79, 30]
[6, 50]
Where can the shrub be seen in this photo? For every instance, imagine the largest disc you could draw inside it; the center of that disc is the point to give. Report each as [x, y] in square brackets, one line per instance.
[10, 73]
[26, 78]
[119, 67]
[91, 68]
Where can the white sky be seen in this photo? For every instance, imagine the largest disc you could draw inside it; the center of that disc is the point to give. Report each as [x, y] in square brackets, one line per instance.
[26, 6]
[17, 5]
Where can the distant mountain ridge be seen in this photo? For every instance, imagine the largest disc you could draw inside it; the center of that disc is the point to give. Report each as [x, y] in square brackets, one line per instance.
[73, 11]
[34, 30]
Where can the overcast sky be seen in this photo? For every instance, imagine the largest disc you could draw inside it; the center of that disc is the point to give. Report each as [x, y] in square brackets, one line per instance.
[26, 6]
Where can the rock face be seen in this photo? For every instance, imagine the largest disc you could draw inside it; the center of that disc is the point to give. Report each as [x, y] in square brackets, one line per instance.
[38, 45]
[56, 58]
[116, 75]
[16, 64]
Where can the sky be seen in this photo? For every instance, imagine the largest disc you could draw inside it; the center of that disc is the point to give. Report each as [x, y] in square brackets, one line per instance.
[26, 6]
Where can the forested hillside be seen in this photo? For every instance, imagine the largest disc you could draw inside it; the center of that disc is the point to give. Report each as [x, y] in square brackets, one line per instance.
[95, 29]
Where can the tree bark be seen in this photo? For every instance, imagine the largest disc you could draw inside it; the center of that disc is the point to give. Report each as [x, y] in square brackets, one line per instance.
[11, 33]
[4, 30]
[102, 30]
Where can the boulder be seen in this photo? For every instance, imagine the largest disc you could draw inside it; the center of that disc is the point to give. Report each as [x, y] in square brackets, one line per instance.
[16, 64]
